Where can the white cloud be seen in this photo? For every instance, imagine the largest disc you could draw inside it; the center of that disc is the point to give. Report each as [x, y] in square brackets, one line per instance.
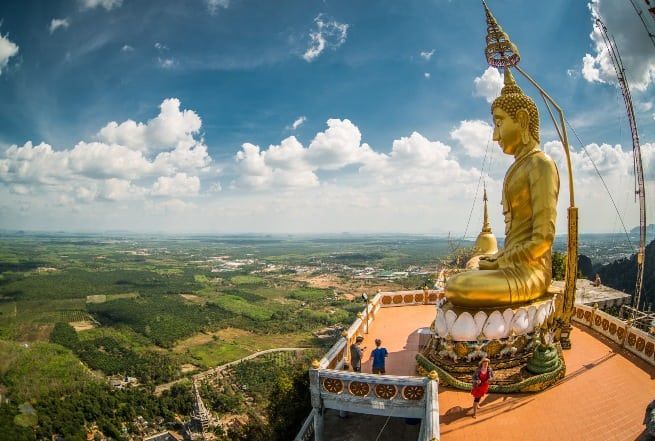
[416, 161]
[474, 136]
[172, 128]
[214, 5]
[176, 186]
[298, 122]
[327, 34]
[427, 75]
[644, 106]
[338, 146]
[7, 50]
[126, 156]
[127, 48]
[166, 63]
[57, 23]
[114, 189]
[290, 165]
[107, 4]
[489, 84]
[426, 55]
[160, 46]
[280, 166]
[632, 41]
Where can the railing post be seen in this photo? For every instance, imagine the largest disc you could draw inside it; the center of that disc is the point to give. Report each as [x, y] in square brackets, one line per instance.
[431, 419]
[317, 405]
[593, 315]
[628, 325]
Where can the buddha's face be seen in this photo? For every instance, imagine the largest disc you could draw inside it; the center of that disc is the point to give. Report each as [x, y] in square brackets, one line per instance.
[506, 131]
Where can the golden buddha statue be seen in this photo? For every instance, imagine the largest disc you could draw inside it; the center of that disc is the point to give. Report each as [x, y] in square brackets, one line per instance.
[521, 272]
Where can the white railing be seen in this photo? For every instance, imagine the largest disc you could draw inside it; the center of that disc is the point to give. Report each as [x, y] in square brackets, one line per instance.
[306, 432]
[400, 396]
[387, 395]
[640, 343]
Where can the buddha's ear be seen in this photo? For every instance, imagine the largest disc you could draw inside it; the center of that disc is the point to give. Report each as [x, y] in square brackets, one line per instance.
[523, 118]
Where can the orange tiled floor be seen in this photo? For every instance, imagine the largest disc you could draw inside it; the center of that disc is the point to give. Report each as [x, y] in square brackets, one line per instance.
[397, 328]
[602, 397]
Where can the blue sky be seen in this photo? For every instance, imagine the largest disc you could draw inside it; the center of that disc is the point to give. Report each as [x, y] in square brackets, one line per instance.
[245, 71]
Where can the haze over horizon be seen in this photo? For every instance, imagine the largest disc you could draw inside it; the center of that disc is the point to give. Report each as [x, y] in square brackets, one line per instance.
[234, 116]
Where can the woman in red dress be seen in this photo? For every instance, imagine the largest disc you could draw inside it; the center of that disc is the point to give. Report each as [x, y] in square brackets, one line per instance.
[481, 378]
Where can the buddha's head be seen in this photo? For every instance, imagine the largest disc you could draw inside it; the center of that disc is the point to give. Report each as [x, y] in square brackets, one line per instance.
[516, 118]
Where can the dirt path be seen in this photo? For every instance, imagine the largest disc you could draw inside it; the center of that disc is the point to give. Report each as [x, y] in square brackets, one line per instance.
[166, 386]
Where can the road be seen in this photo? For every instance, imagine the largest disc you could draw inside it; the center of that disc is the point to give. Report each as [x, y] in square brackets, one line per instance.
[199, 376]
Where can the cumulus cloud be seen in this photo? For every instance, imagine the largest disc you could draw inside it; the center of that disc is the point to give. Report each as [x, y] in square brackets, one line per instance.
[107, 4]
[474, 136]
[632, 41]
[327, 34]
[7, 50]
[123, 159]
[427, 75]
[281, 166]
[338, 146]
[298, 122]
[127, 48]
[612, 161]
[176, 186]
[290, 164]
[58, 23]
[413, 159]
[426, 55]
[489, 84]
[172, 128]
[214, 5]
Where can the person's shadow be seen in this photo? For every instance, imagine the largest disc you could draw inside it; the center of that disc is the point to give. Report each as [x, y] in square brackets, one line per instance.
[453, 414]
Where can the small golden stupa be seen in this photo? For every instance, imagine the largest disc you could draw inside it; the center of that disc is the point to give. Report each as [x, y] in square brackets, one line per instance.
[486, 243]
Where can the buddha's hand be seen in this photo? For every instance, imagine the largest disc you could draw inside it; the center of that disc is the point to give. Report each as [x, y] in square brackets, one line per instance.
[488, 263]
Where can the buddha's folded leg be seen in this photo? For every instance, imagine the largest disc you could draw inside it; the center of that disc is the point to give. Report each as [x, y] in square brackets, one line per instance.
[494, 288]
[475, 288]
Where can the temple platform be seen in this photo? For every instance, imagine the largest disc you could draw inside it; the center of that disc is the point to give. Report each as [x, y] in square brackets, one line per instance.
[398, 328]
[588, 294]
[603, 395]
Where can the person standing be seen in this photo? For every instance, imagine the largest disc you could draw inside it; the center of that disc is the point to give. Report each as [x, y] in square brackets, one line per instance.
[481, 378]
[356, 351]
[379, 355]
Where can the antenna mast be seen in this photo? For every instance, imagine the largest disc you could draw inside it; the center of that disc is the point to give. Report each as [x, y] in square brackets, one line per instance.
[640, 193]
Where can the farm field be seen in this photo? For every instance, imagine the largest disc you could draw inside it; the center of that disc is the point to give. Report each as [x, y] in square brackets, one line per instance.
[190, 303]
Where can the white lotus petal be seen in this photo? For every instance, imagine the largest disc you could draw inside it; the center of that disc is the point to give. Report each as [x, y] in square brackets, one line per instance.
[450, 319]
[495, 326]
[464, 328]
[480, 318]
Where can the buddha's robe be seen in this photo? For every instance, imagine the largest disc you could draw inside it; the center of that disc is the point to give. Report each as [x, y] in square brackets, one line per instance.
[530, 192]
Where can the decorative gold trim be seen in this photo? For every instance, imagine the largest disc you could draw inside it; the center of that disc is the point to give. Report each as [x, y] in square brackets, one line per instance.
[359, 388]
[385, 391]
[413, 393]
[333, 385]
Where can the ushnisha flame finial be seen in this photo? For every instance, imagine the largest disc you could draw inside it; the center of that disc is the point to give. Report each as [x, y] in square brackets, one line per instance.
[500, 51]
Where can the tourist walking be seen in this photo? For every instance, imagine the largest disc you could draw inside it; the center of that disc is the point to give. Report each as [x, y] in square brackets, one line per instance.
[379, 355]
[356, 351]
[481, 378]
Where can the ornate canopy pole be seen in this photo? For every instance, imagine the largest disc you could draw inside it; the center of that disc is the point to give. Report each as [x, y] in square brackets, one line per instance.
[502, 53]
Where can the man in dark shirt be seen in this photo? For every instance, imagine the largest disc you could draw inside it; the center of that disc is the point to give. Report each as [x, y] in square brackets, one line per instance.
[379, 355]
[356, 354]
